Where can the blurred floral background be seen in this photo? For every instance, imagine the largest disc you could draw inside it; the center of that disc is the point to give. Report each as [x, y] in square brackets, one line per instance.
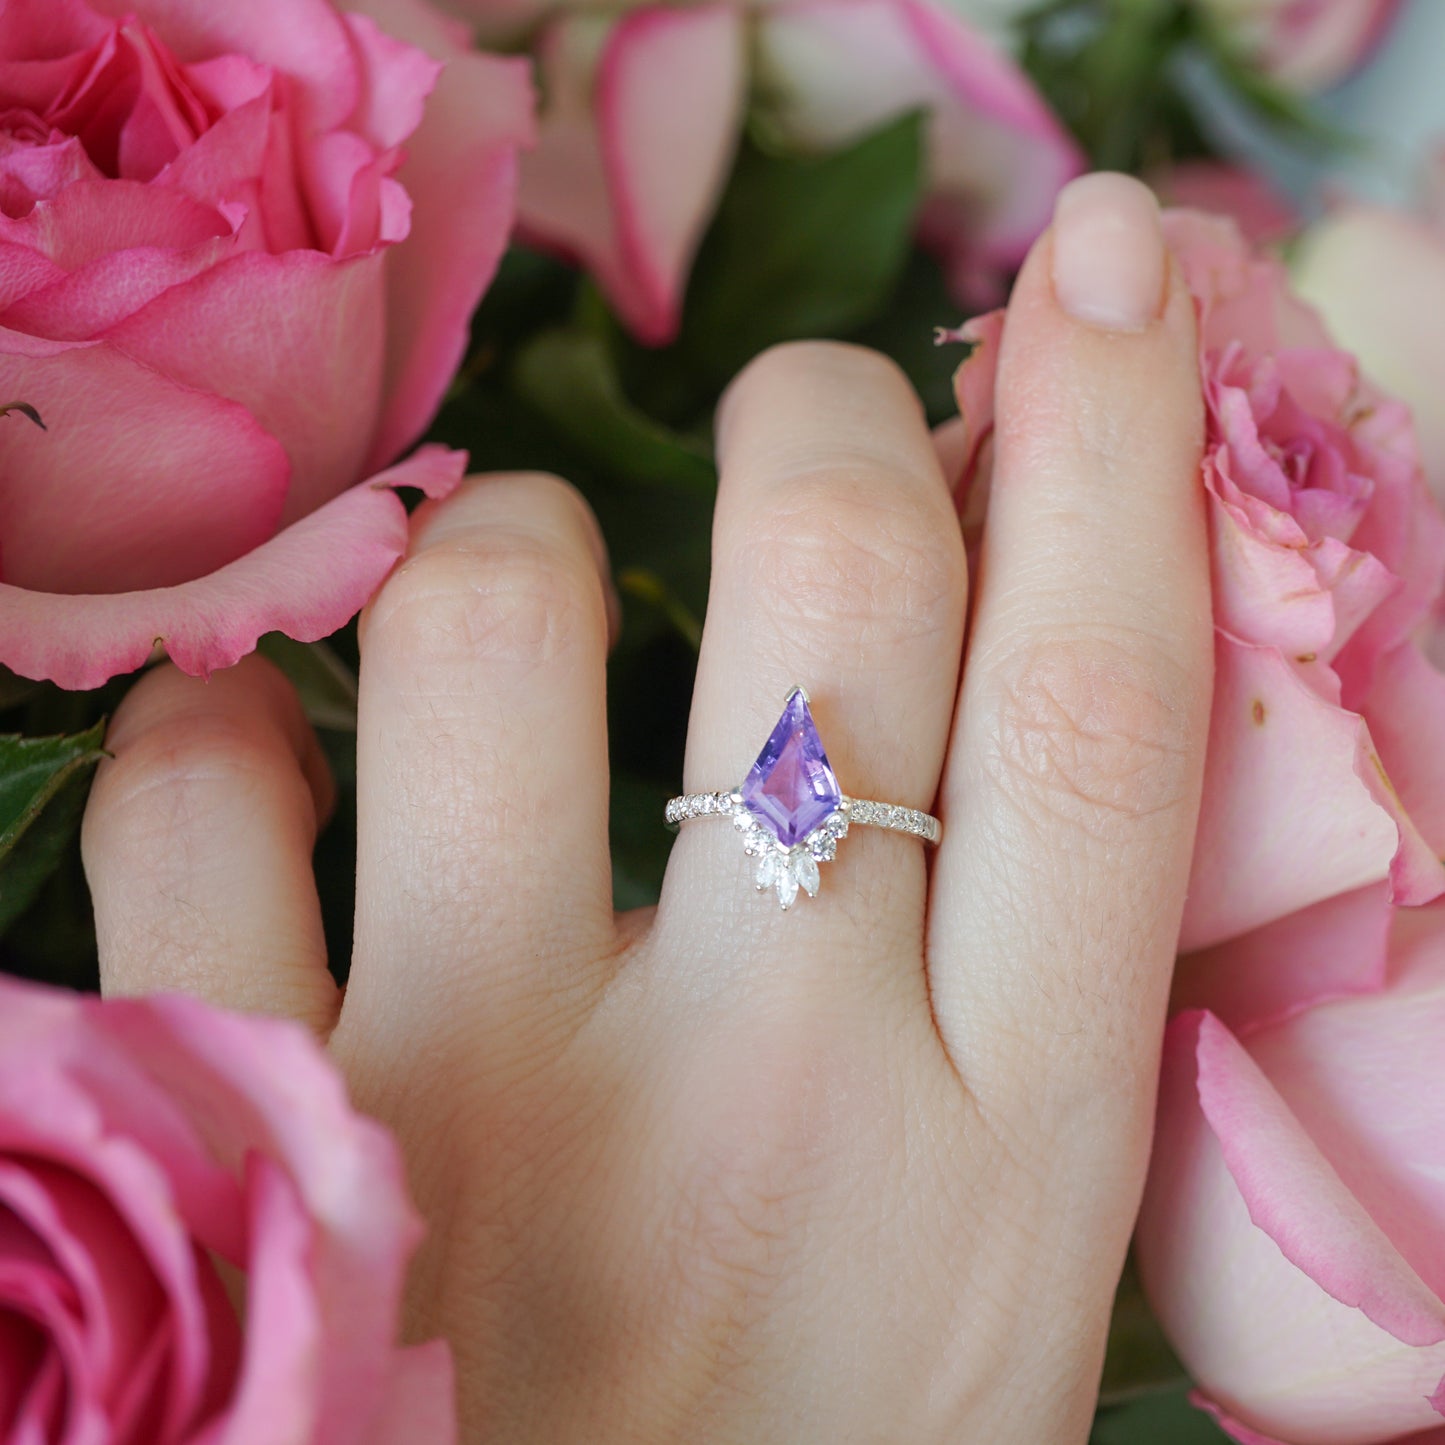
[701, 181]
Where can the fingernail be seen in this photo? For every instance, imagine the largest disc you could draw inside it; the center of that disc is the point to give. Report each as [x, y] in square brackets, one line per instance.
[1108, 252]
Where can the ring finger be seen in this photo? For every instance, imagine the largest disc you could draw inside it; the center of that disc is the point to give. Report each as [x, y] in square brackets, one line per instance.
[838, 565]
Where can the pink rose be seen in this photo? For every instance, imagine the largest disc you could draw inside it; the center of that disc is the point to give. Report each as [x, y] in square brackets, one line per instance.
[157, 1154]
[1292, 1239]
[239, 244]
[1306, 45]
[1262, 214]
[1374, 273]
[643, 114]
[1323, 771]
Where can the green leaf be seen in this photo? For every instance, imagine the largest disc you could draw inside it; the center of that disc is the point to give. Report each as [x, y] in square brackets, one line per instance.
[648, 587]
[569, 376]
[803, 246]
[43, 786]
[325, 684]
[1289, 113]
[640, 841]
[1160, 1420]
[906, 327]
[15, 690]
[1139, 1360]
[1107, 68]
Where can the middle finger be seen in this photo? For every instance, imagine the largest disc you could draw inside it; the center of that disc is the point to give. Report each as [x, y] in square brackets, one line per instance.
[838, 565]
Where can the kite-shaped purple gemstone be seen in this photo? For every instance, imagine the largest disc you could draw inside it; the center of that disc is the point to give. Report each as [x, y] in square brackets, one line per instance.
[791, 787]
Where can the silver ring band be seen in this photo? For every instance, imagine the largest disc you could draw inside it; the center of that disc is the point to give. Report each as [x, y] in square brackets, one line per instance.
[858, 810]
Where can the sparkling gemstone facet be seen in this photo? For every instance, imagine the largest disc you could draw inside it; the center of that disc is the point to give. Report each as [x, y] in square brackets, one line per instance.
[791, 788]
[787, 886]
[768, 866]
[805, 870]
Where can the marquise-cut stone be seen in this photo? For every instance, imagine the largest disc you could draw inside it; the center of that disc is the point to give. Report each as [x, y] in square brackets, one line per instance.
[791, 788]
[768, 867]
[787, 886]
[805, 869]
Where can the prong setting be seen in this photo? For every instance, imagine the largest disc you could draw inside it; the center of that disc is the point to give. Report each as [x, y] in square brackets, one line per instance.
[789, 871]
[790, 812]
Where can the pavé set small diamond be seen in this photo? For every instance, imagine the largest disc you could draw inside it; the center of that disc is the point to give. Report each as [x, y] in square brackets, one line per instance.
[790, 810]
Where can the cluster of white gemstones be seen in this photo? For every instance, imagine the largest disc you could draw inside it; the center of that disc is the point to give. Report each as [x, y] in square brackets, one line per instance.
[786, 870]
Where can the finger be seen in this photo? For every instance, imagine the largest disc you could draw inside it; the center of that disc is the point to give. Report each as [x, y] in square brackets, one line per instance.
[482, 864]
[1073, 783]
[197, 844]
[837, 565]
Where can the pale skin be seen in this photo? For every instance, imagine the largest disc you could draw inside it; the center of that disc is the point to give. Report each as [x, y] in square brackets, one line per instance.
[864, 1171]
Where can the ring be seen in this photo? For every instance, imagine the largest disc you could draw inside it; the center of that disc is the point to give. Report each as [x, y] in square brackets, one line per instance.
[790, 809]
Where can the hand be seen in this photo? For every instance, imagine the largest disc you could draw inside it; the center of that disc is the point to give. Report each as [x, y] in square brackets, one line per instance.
[861, 1171]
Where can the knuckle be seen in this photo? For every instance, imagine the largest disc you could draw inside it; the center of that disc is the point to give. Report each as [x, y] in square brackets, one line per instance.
[1094, 731]
[500, 596]
[165, 779]
[551, 498]
[850, 552]
[832, 359]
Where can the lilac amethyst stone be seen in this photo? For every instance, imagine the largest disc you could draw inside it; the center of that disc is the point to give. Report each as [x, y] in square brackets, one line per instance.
[791, 787]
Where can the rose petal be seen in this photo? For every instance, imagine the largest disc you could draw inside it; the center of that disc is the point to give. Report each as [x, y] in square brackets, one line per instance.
[1361, 589]
[1406, 530]
[997, 156]
[974, 384]
[629, 181]
[23, 271]
[60, 1385]
[461, 174]
[1246, 196]
[1264, 593]
[1312, 46]
[22, 1350]
[226, 164]
[1232, 1427]
[45, 1114]
[92, 219]
[33, 173]
[1366, 269]
[1244, 298]
[48, 27]
[165, 117]
[419, 1407]
[1222, 1274]
[1329, 950]
[346, 1171]
[189, 481]
[304, 341]
[306, 39]
[1293, 1190]
[1405, 711]
[397, 78]
[119, 1302]
[78, 305]
[1296, 804]
[138, 1411]
[400, 76]
[278, 1395]
[306, 582]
